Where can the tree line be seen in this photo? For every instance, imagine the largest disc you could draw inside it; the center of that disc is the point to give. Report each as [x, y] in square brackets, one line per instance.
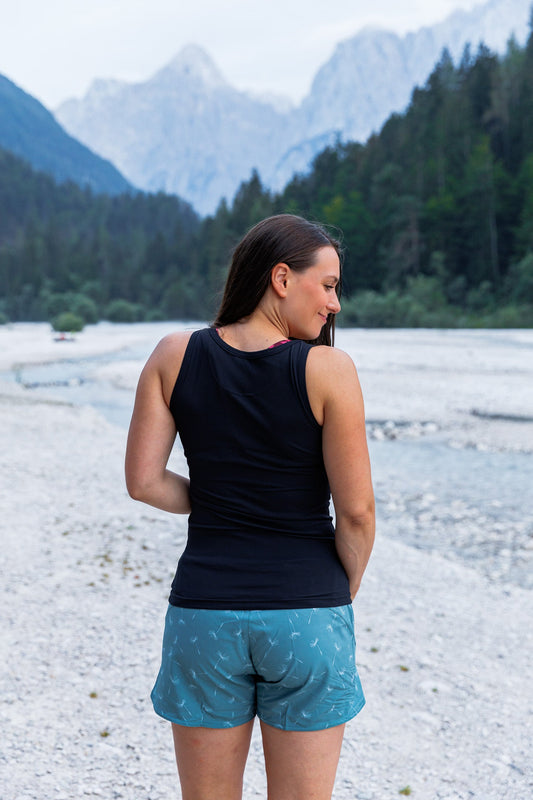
[436, 214]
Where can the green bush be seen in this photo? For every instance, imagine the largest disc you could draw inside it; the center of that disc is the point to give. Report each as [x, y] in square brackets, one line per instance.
[427, 291]
[67, 321]
[3, 318]
[180, 300]
[480, 298]
[424, 307]
[84, 307]
[369, 309]
[154, 315]
[124, 311]
[510, 316]
[54, 303]
[456, 290]
[520, 280]
[77, 303]
[94, 290]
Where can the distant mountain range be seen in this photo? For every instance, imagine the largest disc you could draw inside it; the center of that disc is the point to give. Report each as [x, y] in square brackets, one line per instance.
[29, 131]
[187, 131]
[373, 74]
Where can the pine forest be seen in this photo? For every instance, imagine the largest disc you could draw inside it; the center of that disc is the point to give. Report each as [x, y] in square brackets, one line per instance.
[435, 210]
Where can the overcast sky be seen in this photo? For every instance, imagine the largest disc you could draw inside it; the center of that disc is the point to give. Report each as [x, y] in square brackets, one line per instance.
[53, 49]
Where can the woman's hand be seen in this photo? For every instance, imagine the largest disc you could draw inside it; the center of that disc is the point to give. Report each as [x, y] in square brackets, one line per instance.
[152, 432]
[337, 402]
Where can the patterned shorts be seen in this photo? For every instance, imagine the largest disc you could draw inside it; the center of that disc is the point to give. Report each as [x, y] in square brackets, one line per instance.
[293, 668]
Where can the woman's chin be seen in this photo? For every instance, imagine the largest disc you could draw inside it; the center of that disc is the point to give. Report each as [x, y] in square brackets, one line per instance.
[310, 333]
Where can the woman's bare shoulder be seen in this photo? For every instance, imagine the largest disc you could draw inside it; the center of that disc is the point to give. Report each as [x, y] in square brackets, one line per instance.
[165, 362]
[172, 345]
[330, 377]
[329, 362]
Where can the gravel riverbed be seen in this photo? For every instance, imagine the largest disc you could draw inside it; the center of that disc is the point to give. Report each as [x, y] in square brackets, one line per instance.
[444, 641]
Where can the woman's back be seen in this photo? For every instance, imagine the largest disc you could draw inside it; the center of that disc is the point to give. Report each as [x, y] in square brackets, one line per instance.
[260, 532]
[268, 431]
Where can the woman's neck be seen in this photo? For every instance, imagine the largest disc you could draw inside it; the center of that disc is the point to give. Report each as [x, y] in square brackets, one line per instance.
[255, 332]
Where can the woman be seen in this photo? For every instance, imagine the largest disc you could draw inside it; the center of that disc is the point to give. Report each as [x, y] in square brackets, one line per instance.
[260, 620]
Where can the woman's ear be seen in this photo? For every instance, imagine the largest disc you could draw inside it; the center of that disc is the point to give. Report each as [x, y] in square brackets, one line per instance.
[279, 277]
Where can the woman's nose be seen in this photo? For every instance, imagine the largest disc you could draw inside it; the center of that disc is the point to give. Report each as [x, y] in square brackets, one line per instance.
[334, 306]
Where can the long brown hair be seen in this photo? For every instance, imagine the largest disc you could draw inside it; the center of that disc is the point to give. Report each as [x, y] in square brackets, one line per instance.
[284, 238]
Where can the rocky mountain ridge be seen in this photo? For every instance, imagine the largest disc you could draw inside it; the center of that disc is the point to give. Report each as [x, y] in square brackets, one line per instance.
[187, 131]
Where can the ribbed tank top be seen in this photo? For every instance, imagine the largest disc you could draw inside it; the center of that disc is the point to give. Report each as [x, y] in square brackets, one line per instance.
[260, 533]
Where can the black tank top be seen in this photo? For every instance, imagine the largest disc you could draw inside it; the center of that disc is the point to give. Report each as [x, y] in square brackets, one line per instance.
[260, 532]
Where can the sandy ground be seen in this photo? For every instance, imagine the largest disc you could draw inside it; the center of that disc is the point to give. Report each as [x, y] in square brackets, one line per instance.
[444, 653]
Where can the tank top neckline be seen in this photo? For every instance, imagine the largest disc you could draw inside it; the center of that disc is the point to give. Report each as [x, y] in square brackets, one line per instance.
[268, 351]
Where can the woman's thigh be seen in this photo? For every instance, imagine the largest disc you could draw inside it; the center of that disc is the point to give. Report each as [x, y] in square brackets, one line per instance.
[211, 761]
[301, 765]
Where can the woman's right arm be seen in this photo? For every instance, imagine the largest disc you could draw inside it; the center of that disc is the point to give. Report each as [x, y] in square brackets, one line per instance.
[152, 432]
[337, 401]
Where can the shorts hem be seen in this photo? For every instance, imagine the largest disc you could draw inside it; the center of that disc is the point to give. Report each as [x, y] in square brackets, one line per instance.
[314, 727]
[203, 723]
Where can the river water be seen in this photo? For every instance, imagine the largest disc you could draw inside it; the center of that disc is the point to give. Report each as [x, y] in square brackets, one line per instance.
[76, 381]
[462, 502]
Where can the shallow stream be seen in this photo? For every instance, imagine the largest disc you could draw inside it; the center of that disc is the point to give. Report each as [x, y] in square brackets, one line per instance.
[464, 503]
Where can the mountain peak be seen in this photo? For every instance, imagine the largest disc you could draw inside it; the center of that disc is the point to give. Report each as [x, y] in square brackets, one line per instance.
[104, 87]
[186, 130]
[191, 62]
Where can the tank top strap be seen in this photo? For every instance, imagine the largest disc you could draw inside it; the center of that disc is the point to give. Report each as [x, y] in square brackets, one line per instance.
[298, 355]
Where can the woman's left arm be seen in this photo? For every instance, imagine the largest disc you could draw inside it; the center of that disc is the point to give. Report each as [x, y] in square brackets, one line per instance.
[337, 402]
[150, 439]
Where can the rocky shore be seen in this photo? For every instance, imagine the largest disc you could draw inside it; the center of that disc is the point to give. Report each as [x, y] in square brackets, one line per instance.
[444, 646]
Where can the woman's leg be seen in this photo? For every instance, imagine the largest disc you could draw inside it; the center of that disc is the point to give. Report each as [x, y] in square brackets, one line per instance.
[301, 765]
[211, 761]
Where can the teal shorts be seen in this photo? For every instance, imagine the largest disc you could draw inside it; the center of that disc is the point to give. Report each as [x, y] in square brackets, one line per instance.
[293, 668]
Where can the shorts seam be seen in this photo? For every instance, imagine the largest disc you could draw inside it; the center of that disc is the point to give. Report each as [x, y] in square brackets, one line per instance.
[319, 727]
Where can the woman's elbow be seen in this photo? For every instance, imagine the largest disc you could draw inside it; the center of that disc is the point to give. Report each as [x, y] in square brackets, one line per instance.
[361, 517]
[134, 490]
[138, 487]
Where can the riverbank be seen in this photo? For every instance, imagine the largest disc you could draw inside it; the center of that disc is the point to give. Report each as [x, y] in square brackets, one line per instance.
[37, 343]
[444, 652]
[473, 386]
